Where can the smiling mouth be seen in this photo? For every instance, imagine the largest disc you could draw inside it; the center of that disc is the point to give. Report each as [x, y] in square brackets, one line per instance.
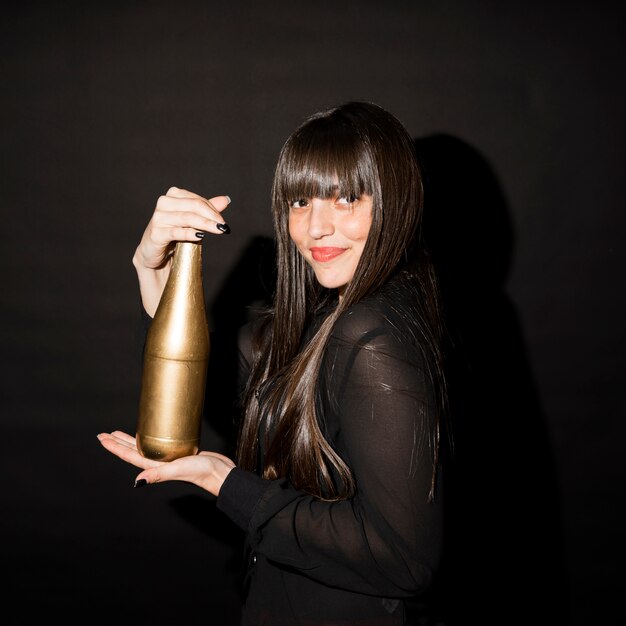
[323, 255]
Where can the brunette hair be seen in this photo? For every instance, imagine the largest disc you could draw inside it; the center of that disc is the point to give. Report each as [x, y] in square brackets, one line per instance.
[354, 149]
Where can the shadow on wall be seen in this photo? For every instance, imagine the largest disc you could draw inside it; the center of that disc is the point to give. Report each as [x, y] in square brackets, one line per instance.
[246, 289]
[504, 553]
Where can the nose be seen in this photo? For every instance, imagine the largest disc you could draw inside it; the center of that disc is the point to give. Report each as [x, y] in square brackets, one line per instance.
[321, 219]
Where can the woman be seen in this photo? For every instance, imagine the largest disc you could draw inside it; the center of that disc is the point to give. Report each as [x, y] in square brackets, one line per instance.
[337, 483]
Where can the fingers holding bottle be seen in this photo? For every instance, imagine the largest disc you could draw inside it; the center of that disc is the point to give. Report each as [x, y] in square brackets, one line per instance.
[179, 215]
[209, 209]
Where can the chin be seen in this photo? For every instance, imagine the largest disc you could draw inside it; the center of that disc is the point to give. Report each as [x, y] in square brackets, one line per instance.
[330, 284]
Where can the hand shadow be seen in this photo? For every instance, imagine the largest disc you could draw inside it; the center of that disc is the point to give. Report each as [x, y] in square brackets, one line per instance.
[504, 560]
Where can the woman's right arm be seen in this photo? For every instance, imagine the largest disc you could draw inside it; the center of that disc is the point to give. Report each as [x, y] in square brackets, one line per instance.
[178, 216]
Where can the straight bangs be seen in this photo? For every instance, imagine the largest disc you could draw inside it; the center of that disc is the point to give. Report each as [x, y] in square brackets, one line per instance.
[324, 159]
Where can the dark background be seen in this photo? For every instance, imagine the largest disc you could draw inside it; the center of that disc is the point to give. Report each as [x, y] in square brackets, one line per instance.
[517, 109]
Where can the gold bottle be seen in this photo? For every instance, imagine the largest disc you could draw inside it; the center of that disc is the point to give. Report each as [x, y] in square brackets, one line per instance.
[175, 363]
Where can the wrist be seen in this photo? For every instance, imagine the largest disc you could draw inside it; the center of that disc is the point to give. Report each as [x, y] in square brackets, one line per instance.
[151, 283]
[220, 473]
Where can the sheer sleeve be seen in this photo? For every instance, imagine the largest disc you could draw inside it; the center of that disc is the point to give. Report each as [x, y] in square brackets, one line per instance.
[376, 400]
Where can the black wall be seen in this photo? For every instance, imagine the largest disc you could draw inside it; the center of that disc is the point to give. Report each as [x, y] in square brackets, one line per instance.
[517, 109]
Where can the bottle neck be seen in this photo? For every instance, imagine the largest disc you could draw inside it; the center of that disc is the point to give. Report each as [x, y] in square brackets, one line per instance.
[187, 259]
[184, 290]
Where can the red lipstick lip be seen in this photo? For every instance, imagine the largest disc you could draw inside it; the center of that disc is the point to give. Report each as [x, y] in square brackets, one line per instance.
[323, 255]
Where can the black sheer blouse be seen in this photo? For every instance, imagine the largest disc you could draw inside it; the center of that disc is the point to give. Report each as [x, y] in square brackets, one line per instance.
[367, 559]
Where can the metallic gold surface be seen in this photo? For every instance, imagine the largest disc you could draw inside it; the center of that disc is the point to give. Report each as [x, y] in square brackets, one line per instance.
[175, 363]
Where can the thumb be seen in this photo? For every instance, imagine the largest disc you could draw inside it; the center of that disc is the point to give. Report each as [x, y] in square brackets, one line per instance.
[152, 475]
[218, 203]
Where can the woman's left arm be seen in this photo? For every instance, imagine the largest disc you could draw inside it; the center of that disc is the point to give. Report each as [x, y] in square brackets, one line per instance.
[386, 539]
[207, 470]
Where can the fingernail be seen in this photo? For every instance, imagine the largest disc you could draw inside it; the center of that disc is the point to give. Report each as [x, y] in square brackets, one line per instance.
[142, 482]
[225, 228]
[200, 235]
[229, 200]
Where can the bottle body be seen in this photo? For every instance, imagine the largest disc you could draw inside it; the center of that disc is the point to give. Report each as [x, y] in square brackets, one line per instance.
[175, 363]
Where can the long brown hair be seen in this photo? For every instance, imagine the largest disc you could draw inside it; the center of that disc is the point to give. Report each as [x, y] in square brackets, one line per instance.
[361, 148]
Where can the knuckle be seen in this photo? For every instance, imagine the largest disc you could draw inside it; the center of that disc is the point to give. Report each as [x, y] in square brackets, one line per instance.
[199, 204]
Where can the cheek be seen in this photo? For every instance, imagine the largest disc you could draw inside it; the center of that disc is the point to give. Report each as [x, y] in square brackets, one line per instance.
[298, 232]
[358, 229]
[293, 229]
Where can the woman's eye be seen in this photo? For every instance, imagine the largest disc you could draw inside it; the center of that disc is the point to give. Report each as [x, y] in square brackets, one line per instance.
[347, 199]
[298, 204]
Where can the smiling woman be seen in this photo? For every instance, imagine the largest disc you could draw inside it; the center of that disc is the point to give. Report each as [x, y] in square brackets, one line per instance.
[331, 234]
[336, 483]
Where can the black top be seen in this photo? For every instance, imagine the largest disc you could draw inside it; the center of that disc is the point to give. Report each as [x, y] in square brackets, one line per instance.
[368, 559]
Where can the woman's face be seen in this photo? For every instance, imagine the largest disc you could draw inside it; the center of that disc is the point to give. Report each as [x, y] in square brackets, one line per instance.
[330, 234]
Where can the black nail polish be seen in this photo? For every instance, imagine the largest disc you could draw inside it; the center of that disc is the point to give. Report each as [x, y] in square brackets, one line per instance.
[200, 235]
[225, 228]
[142, 482]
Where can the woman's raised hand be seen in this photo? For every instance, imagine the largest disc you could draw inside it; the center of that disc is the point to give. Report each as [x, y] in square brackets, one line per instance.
[179, 215]
[207, 470]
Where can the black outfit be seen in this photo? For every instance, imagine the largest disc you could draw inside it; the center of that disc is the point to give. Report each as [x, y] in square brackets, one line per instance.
[367, 559]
